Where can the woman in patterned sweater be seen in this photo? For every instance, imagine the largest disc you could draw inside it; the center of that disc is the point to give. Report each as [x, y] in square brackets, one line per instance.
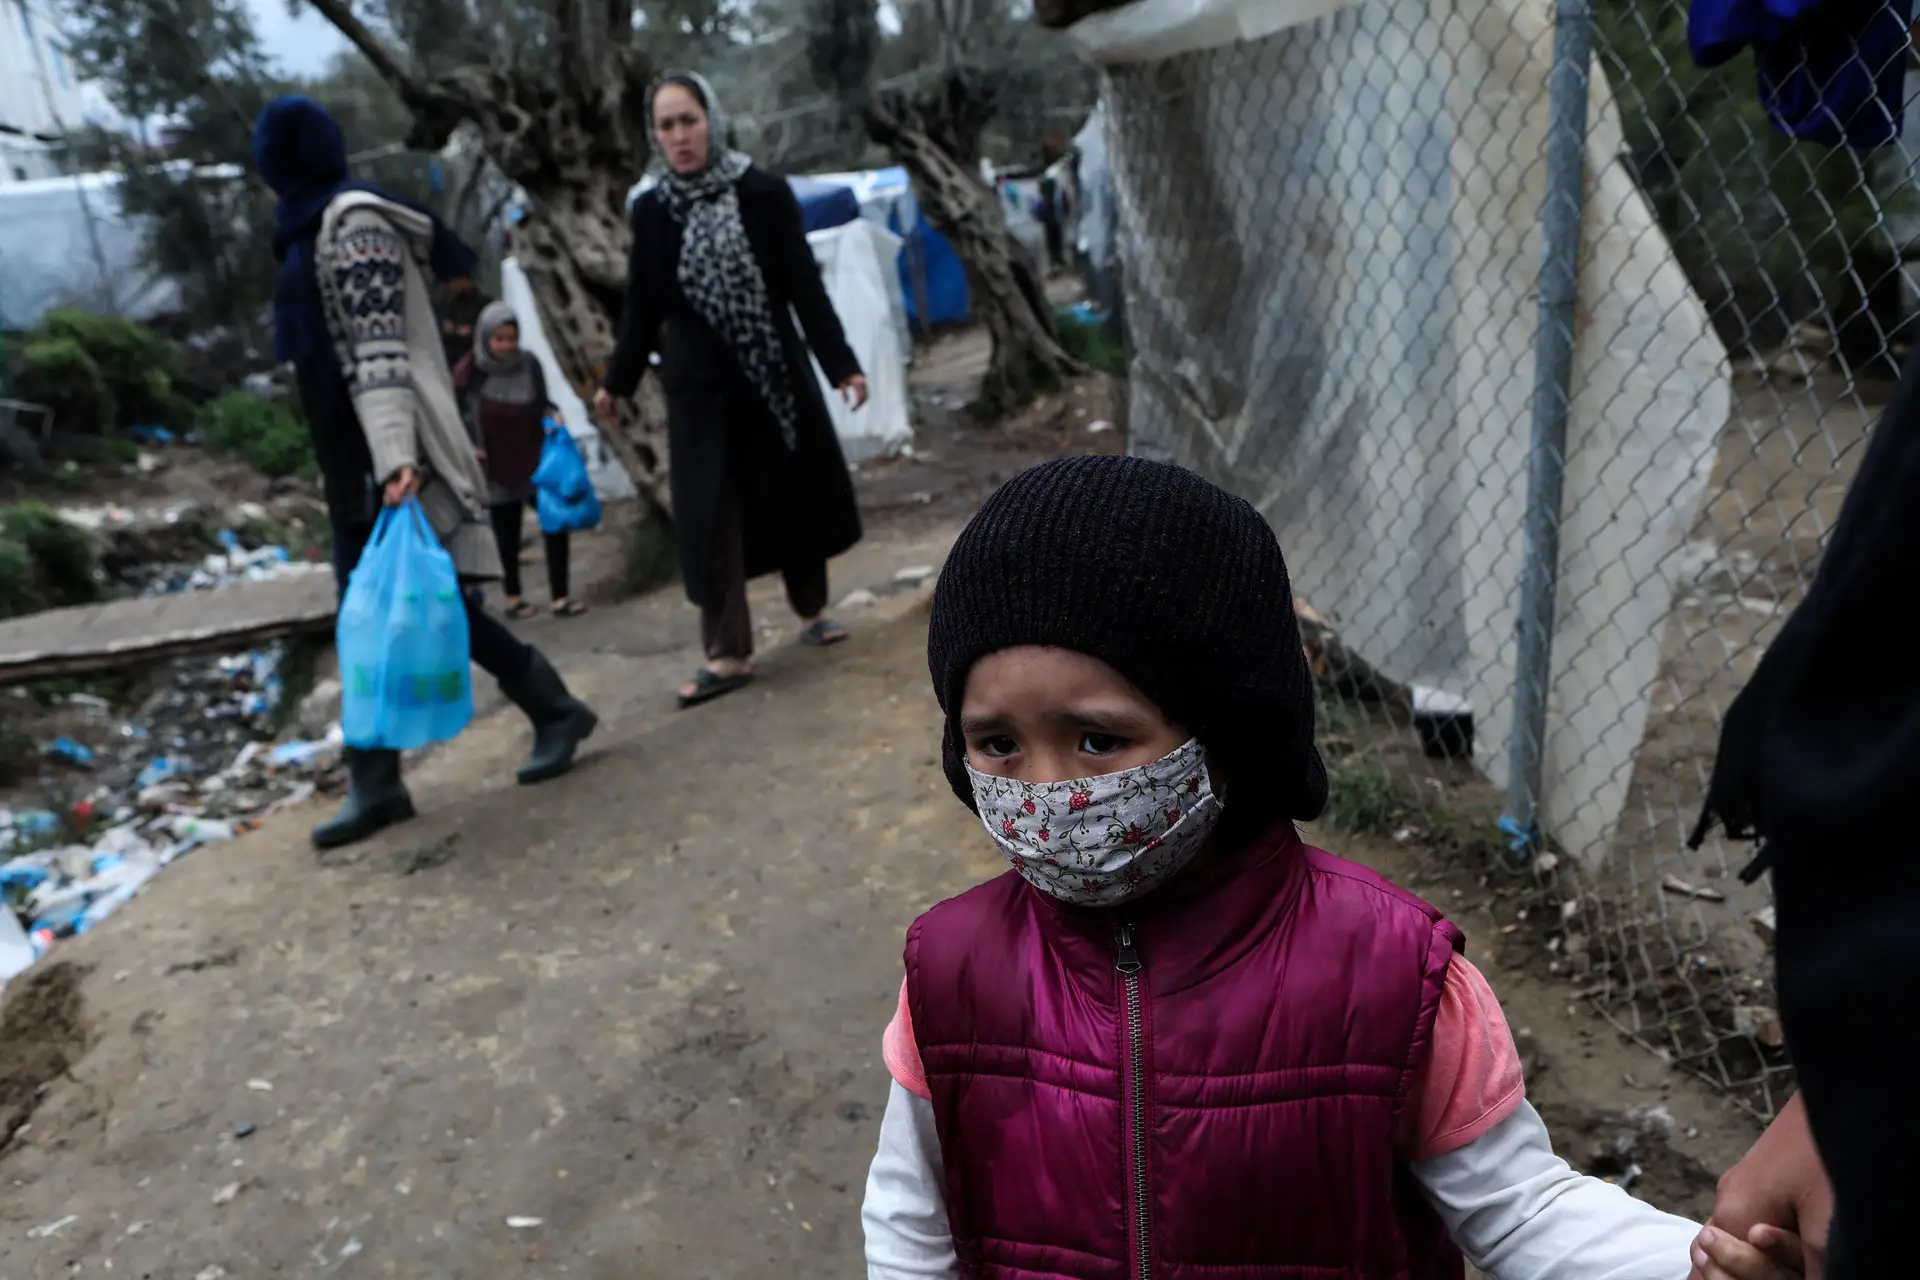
[353, 315]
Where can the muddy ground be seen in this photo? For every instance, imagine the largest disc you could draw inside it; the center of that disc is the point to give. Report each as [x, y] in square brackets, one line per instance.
[624, 1024]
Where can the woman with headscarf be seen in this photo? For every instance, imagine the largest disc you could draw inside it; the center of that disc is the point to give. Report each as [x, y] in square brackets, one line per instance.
[507, 409]
[720, 266]
[353, 315]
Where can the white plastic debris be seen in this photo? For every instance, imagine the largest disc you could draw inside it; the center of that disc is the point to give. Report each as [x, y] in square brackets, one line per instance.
[525, 1224]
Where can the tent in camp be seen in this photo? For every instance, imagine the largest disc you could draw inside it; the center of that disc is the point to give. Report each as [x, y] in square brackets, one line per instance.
[933, 281]
[65, 242]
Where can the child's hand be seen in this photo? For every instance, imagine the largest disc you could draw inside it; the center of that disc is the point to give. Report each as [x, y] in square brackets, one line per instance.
[1768, 1253]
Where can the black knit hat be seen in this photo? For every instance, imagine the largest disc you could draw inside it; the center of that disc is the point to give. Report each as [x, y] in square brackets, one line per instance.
[1173, 582]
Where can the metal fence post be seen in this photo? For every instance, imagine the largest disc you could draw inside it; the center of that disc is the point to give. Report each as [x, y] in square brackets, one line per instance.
[1552, 378]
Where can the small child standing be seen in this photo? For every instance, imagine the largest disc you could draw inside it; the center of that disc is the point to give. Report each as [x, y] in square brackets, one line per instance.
[504, 391]
[1174, 1041]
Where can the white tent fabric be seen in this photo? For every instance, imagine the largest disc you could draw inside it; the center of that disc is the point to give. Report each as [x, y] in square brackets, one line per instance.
[1362, 374]
[610, 480]
[857, 262]
[64, 241]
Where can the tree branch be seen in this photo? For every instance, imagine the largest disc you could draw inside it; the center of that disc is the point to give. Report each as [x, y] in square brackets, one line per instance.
[371, 47]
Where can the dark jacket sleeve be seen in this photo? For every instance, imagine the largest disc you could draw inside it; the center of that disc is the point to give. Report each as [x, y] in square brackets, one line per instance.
[639, 317]
[799, 276]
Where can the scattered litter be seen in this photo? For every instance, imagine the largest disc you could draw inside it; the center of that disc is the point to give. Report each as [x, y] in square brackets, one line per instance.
[1674, 884]
[163, 768]
[211, 1273]
[916, 573]
[260, 1086]
[861, 599]
[525, 1224]
[350, 1248]
[1761, 1023]
[245, 1131]
[226, 1194]
[194, 764]
[1763, 922]
[52, 1229]
[77, 754]
[1099, 425]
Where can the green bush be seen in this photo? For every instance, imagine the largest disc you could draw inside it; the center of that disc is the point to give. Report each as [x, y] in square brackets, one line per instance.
[1363, 798]
[45, 563]
[1093, 345]
[265, 434]
[61, 374]
[142, 368]
[17, 594]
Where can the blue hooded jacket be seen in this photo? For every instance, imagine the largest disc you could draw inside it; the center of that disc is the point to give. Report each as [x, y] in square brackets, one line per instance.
[1830, 71]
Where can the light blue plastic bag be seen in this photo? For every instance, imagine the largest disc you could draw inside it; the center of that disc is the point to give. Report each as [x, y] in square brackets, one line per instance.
[402, 640]
[563, 489]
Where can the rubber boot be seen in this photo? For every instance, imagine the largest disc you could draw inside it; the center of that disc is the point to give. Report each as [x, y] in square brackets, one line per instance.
[376, 799]
[561, 722]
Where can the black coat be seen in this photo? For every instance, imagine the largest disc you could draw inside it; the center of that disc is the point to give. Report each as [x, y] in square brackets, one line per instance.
[797, 505]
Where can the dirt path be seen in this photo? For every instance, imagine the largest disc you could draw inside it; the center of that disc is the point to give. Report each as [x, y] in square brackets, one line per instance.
[640, 1005]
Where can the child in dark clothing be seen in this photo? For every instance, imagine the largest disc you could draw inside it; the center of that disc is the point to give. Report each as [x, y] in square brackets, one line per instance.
[505, 393]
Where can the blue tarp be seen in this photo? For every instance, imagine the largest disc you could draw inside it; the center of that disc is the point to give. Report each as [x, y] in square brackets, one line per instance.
[927, 259]
[825, 204]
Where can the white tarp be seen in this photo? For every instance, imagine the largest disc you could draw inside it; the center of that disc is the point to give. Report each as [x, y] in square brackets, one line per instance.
[857, 262]
[1331, 240]
[64, 242]
[610, 480]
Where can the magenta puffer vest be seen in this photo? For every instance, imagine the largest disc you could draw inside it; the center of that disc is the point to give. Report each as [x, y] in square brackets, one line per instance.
[1200, 1086]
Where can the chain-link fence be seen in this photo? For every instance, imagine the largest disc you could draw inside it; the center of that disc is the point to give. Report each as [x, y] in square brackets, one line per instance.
[1552, 398]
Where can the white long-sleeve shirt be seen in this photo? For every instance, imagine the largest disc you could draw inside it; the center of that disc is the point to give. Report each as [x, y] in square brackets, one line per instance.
[1515, 1209]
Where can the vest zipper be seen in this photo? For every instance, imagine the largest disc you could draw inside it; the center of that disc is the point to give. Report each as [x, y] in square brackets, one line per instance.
[1127, 961]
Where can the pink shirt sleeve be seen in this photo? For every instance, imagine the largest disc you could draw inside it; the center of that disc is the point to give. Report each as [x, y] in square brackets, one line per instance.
[902, 1054]
[1471, 1080]
[1470, 1083]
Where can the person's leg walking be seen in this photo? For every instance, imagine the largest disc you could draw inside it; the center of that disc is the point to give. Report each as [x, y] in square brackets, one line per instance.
[506, 535]
[559, 552]
[561, 722]
[807, 593]
[376, 797]
[726, 623]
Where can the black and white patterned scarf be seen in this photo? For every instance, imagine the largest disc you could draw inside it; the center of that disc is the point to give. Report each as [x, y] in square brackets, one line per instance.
[718, 272]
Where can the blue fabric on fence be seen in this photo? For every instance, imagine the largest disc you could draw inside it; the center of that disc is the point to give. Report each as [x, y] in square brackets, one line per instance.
[1830, 71]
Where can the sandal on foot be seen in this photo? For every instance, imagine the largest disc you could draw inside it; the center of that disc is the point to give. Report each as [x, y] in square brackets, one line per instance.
[708, 685]
[519, 611]
[569, 609]
[823, 633]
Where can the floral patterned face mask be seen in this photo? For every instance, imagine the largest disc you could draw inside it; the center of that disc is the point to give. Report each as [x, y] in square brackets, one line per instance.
[1099, 842]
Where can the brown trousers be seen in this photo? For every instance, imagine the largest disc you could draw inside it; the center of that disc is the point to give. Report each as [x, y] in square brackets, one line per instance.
[726, 624]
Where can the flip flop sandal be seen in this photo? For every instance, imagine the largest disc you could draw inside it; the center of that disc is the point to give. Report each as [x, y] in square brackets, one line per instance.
[571, 609]
[519, 611]
[707, 686]
[823, 633]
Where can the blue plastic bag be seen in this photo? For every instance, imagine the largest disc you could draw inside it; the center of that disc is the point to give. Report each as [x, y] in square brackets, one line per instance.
[402, 640]
[563, 489]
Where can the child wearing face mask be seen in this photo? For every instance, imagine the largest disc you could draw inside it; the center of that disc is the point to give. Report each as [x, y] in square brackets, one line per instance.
[1175, 1041]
